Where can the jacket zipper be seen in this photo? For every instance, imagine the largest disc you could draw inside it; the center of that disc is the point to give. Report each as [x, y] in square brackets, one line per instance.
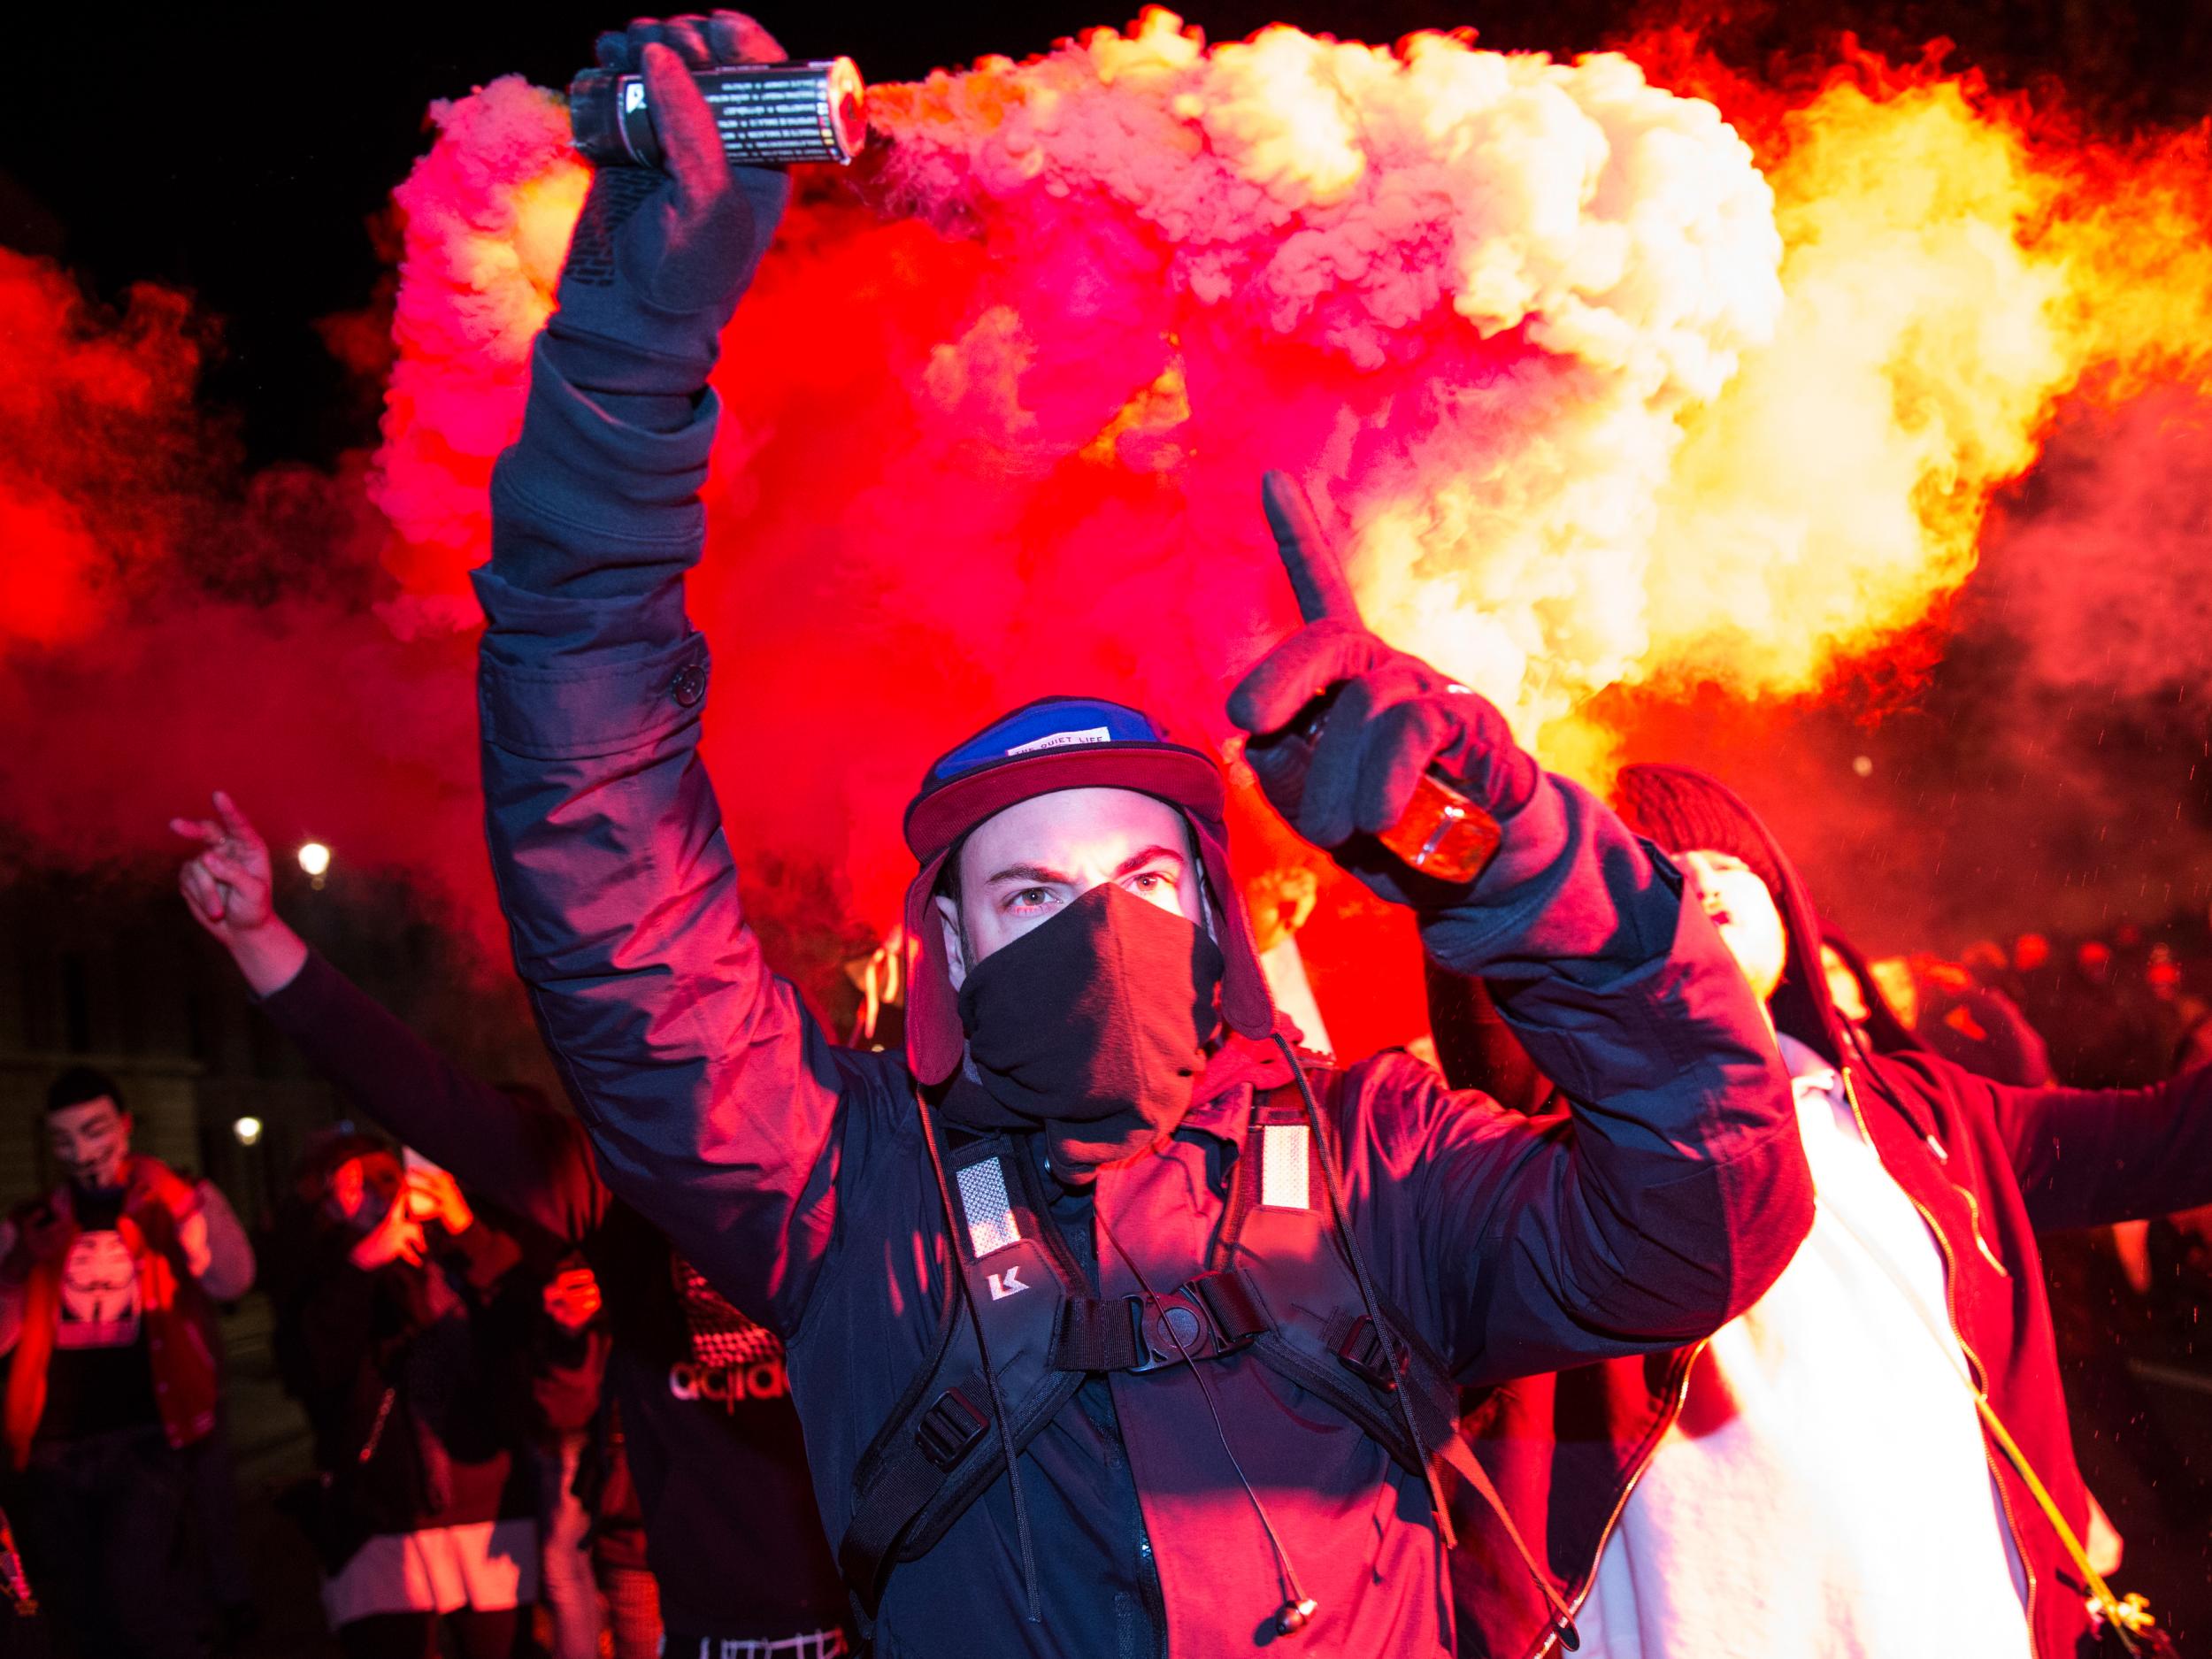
[1620, 1506]
[1979, 1373]
[1148, 1581]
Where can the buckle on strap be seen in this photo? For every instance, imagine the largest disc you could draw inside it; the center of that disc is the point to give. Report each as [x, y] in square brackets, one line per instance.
[948, 1428]
[1212, 1315]
[1364, 1352]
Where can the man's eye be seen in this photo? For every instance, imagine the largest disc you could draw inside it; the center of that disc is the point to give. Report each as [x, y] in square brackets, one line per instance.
[1151, 881]
[1030, 899]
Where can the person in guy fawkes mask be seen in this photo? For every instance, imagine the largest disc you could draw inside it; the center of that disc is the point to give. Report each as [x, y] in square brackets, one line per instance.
[1116, 1327]
[108, 1291]
[1818, 1480]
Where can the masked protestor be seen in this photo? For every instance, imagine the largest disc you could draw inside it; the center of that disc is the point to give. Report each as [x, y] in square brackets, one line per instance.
[711, 1453]
[108, 1286]
[1101, 1349]
[1821, 1480]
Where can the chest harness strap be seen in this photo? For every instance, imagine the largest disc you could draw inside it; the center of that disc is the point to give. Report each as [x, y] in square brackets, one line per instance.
[1279, 1286]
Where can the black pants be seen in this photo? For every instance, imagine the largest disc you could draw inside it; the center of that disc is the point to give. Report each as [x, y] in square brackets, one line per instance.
[476, 1635]
[104, 1537]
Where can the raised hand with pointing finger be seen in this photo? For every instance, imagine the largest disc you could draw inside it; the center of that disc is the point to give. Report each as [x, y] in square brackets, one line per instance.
[1368, 750]
[228, 887]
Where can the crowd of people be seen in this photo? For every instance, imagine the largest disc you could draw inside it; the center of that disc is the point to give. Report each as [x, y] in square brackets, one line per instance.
[521, 1397]
[1692, 1306]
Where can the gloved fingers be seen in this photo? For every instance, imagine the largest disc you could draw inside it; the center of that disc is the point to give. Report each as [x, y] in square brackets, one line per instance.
[737, 39]
[1300, 669]
[690, 142]
[1401, 742]
[1307, 555]
[687, 37]
[1324, 812]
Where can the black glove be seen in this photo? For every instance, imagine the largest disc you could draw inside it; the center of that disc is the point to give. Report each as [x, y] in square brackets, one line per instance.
[660, 257]
[1393, 717]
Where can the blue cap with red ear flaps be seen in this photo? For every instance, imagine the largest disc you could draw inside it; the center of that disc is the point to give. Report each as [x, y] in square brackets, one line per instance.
[1042, 748]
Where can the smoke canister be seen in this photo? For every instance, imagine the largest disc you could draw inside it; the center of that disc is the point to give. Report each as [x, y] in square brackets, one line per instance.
[767, 113]
[1442, 834]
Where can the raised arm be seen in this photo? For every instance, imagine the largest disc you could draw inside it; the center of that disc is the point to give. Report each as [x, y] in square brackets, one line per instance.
[713, 1100]
[1671, 1192]
[1678, 1189]
[524, 1156]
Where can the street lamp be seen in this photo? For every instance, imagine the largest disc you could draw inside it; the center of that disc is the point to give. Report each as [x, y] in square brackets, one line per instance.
[315, 860]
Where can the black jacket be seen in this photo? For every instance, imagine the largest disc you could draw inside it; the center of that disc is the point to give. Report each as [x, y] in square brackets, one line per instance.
[713, 1445]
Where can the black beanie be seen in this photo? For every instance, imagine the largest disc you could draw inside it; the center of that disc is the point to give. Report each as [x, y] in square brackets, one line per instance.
[1681, 809]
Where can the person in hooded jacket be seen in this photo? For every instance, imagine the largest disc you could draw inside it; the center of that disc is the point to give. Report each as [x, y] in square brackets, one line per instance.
[1041, 1416]
[1818, 1480]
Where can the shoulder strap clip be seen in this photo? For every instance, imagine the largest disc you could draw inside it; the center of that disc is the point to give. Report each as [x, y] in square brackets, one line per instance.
[948, 1428]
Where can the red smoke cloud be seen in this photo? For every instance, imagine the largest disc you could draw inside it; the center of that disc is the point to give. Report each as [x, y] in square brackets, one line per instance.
[143, 660]
[98, 438]
[996, 413]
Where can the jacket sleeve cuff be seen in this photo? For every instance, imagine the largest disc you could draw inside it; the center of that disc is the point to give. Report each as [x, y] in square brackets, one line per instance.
[1571, 894]
[586, 500]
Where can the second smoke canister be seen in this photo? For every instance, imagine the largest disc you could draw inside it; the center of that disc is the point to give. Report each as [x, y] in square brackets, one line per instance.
[767, 113]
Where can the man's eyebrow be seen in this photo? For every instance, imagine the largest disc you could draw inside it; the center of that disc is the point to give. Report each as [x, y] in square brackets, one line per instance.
[1137, 861]
[1039, 873]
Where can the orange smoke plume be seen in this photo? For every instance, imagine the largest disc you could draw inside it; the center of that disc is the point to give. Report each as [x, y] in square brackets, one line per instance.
[1953, 269]
[1609, 394]
[997, 428]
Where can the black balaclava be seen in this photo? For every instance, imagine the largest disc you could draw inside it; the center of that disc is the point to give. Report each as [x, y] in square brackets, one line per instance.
[1092, 1027]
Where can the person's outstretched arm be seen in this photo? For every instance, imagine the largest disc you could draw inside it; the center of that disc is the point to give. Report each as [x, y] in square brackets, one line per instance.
[1678, 1190]
[2090, 1158]
[527, 1158]
[714, 1101]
